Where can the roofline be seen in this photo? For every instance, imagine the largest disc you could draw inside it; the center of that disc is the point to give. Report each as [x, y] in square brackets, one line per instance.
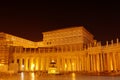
[62, 29]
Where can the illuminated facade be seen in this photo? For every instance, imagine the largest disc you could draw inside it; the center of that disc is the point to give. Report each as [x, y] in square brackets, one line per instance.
[69, 50]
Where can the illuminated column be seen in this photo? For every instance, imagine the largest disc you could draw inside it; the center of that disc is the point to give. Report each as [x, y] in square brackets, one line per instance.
[101, 62]
[77, 64]
[66, 61]
[118, 61]
[114, 62]
[80, 62]
[58, 64]
[40, 64]
[88, 63]
[105, 62]
[85, 63]
[72, 65]
[98, 62]
[44, 63]
[91, 61]
[47, 64]
[83, 67]
[63, 64]
[32, 65]
[69, 65]
[26, 64]
[37, 64]
[94, 64]
[109, 60]
[21, 64]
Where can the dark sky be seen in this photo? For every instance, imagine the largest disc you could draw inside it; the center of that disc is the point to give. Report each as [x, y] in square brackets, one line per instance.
[29, 19]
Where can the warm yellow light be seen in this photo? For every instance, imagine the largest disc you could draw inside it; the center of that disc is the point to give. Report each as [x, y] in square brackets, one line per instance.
[22, 66]
[73, 64]
[65, 65]
[53, 60]
[53, 71]
[33, 76]
[32, 66]
[73, 76]
[22, 75]
[1, 64]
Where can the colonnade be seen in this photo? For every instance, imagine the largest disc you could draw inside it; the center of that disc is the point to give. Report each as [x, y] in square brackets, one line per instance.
[99, 62]
[43, 64]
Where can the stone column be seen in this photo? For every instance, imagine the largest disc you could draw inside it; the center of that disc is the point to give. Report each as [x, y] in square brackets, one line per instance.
[26, 64]
[94, 65]
[101, 62]
[85, 63]
[74, 64]
[98, 62]
[59, 63]
[32, 65]
[63, 64]
[114, 62]
[37, 64]
[91, 62]
[110, 62]
[88, 63]
[82, 62]
[95, 61]
[69, 64]
[40, 64]
[66, 61]
[21, 64]
[77, 64]
[46, 64]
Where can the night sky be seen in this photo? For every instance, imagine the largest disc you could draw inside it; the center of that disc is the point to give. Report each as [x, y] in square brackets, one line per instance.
[30, 19]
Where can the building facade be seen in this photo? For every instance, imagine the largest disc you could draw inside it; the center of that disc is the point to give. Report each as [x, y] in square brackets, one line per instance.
[68, 50]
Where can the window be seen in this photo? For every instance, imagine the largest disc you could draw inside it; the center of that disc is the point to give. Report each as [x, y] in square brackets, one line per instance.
[48, 43]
